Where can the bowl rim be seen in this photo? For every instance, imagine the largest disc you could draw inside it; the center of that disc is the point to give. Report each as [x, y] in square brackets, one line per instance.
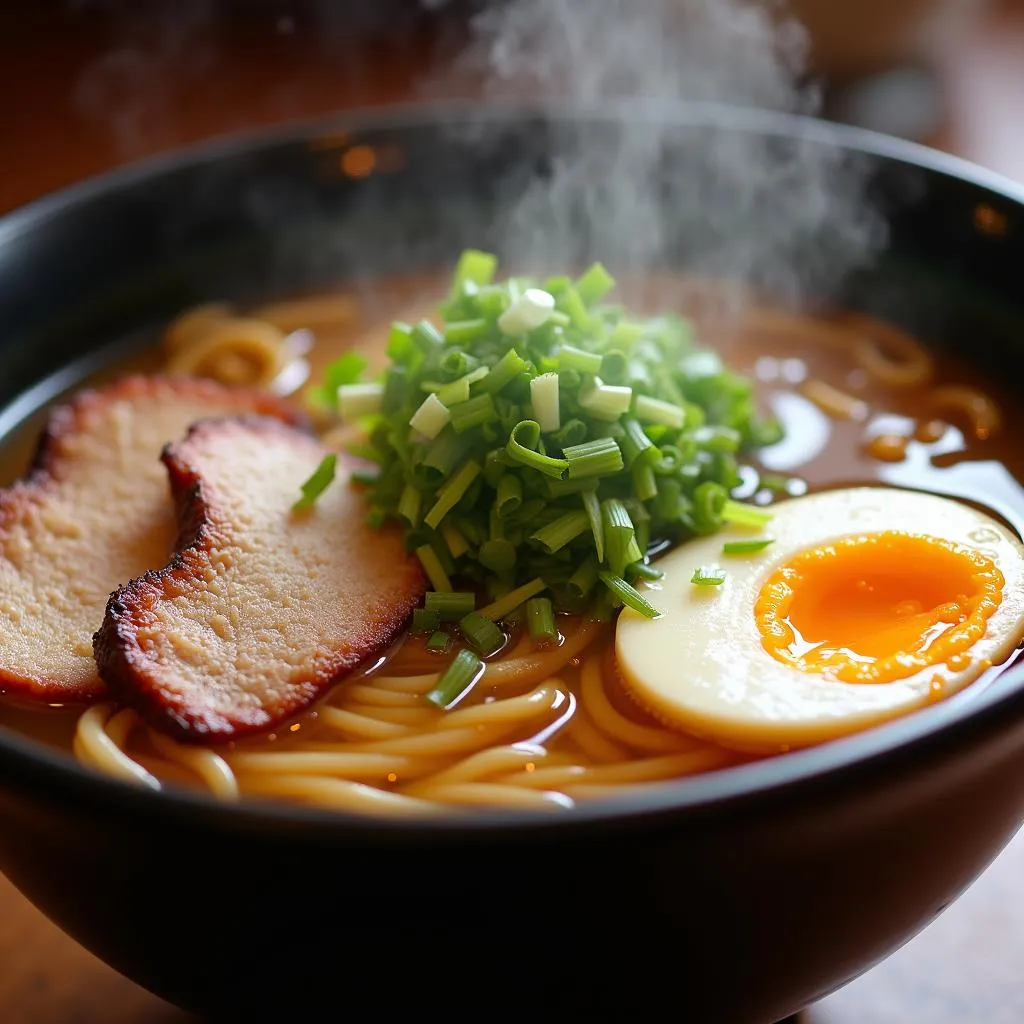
[50, 773]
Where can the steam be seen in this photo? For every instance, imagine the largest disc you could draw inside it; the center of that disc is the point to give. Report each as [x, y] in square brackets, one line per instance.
[639, 192]
[616, 176]
[125, 90]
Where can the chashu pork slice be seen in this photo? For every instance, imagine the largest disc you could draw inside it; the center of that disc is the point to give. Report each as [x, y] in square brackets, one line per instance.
[263, 608]
[94, 512]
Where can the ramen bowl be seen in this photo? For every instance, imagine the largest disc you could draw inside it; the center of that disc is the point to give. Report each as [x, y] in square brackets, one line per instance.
[740, 895]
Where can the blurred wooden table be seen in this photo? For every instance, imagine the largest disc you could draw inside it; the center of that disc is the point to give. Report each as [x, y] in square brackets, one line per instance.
[84, 90]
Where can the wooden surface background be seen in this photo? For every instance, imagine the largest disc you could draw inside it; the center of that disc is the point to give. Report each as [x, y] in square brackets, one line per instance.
[78, 99]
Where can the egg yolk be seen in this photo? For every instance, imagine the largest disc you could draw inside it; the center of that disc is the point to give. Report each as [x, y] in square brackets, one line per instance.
[877, 607]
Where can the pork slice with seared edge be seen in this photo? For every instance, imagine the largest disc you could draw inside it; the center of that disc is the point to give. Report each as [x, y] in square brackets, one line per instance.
[263, 608]
[93, 512]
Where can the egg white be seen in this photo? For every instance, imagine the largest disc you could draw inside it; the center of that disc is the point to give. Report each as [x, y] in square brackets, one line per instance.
[701, 666]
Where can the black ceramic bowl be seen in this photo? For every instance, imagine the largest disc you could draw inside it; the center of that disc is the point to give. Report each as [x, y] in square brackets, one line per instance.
[739, 896]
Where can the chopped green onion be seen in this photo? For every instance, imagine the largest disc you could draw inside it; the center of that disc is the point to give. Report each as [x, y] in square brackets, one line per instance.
[457, 362]
[346, 369]
[654, 410]
[569, 302]
[619, 534]
[593, 509]
[445, 453]
[449, 605]
[564, 529]
[424, 620]
[594, 284]
[473, 413]
[570, 358]
[528, 311]
[357, 400]
[431, 417]
[427, 337]
[498, 555]
[613, 366]
[482, 633]
[456, 680]
[708, 576]
[480, 437]
[626, 334]
[738, 514]
[318, 482]
[454, 392]
[400, 348]
[544, 399]
[474, 266]
[433, 568]
[644, 484]
[439, 643]
[454, 540]
[451, 492]
[509, 366]
[745, 547]
[570, 433]
[459, 332]
[522, 440]
[717, 439]
[637, 445]
[582, 581]
[640, 571]
[709, 501]
[628, 595]
[540, 619]
[458, 390]
[605, 401]
[513, 599]
[509, 495]
[600, 457]
[409, 504]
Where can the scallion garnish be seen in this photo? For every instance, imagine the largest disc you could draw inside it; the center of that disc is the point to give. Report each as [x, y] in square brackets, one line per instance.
[540, 619]
[654, 410]
[708, 576]
[474, 267]
[454, 488]
[535, 439]
[357, 400]
[600, 457]
[449, 606]
[424, 620]
[527, 312]
[594, 284]
[513, 599]
[558, 533]
[738, 514]
[346, 369]
[431, 417]
[605, 401]
[745, 547]
[544, 399]
[433, 568]
[439, 642]
[456, 680]
[628, 595]
[642, 571]
[318, 482]
[481, 633]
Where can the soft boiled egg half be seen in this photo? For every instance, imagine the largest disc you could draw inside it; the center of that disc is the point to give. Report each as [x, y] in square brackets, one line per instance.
[869, 603]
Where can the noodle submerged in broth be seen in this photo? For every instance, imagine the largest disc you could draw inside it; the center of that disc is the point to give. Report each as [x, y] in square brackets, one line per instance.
[550, 722]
